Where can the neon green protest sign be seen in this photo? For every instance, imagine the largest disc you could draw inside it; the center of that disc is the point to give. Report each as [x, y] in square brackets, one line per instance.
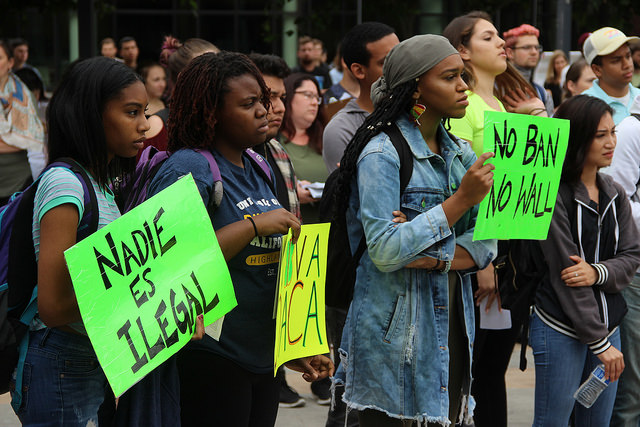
[141, 281]
[300, 322]
[529, 153]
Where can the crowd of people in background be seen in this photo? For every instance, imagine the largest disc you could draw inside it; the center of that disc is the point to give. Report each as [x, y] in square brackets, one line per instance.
[408, 349]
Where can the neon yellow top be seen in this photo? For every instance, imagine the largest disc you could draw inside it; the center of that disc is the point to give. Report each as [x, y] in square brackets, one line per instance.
[471, 126]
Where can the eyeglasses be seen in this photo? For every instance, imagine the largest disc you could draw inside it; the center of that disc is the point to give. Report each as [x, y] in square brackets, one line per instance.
[310, 96]
[537, 47]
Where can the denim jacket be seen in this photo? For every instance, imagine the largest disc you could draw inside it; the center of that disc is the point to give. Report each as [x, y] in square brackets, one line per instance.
[394, 348]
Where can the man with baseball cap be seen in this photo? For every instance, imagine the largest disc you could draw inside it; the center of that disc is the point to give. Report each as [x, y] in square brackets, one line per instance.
[607, 51]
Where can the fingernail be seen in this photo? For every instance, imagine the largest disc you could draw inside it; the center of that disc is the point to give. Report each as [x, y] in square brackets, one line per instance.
[200, 316]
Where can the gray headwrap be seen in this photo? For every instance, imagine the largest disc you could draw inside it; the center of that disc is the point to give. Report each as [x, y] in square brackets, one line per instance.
[409, 60]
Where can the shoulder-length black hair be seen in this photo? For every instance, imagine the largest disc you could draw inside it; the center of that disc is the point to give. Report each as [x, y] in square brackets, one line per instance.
[200, 91]
[74, 116]
[584, 112]
[291, 84]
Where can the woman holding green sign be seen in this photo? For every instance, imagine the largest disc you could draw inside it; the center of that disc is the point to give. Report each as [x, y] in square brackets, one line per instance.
[494, 85]
[592, 253]
[220, 104]
[407, 342]
[95, 118]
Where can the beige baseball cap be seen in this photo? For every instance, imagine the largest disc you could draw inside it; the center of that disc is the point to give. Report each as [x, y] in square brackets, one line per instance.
[603, 42]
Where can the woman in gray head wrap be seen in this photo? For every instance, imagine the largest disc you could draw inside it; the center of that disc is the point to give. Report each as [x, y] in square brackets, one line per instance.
[411, 318]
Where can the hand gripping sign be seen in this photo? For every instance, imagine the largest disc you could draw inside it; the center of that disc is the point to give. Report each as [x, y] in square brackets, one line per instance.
[141, 281]
[529, 153]
[300, 322]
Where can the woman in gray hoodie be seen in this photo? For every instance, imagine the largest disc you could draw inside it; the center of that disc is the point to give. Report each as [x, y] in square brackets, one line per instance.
[592, 252]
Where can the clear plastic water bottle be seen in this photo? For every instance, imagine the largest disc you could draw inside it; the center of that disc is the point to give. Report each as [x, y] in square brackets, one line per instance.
[589, 391]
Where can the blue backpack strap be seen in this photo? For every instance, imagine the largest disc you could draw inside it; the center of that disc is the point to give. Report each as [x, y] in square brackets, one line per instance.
[26, 318]
[132, 189]
[261, 165]
[213, 165]
[259, 162]
[216, 192]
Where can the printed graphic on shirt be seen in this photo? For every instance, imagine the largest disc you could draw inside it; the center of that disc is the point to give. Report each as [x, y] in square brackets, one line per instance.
[246, 195]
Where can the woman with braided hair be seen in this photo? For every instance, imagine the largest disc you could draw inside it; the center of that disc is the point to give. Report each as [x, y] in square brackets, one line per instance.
[220, 104]
[407, 342]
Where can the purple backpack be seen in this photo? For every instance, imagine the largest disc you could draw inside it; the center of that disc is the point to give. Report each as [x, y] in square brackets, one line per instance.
[133, 191]
[19, 270]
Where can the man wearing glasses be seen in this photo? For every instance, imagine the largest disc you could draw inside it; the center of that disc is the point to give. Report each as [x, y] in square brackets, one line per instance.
[523, 51]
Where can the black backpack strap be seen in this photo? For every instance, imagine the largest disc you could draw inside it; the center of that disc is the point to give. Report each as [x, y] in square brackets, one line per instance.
[404, 152]
[164, 115]
[325, 206]
[89, 221]
[22, 268]
[524, 337]
[406, 170]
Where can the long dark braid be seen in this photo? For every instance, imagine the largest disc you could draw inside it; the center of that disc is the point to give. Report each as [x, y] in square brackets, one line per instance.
[398, 101]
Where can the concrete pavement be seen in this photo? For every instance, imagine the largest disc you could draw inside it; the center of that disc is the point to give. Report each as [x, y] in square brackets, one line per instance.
[520, 400]
[520, 397]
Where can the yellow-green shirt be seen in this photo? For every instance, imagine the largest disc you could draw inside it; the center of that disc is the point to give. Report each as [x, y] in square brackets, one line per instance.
[471, 126]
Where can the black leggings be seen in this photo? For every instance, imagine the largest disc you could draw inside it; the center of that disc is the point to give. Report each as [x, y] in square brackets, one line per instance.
[218, 390]
[491, 356]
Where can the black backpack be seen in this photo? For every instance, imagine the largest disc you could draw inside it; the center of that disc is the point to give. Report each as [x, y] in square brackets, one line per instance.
[341, 265]
[19, 270]
[519, 267]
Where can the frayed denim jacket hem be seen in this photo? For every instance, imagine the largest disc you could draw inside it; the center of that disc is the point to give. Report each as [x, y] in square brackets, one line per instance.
[395, 341]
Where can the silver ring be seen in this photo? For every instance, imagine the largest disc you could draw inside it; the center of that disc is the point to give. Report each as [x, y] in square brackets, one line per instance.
[577, 274]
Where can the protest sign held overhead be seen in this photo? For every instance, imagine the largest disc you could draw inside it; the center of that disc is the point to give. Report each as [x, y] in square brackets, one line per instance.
[141, 281]
[529, 153]
[300, 320]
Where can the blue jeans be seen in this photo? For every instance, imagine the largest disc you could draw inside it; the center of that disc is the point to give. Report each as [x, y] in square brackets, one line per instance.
[562, 364]
[63, 383]
[626, 412]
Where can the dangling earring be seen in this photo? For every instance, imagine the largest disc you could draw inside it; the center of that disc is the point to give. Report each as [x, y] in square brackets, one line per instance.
[416, 111]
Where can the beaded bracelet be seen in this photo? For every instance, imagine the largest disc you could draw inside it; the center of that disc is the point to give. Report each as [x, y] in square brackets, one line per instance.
[447, 267]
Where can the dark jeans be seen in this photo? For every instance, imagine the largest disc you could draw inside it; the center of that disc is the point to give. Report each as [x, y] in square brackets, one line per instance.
[216, 389]
[62, 382]
[152, 402]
